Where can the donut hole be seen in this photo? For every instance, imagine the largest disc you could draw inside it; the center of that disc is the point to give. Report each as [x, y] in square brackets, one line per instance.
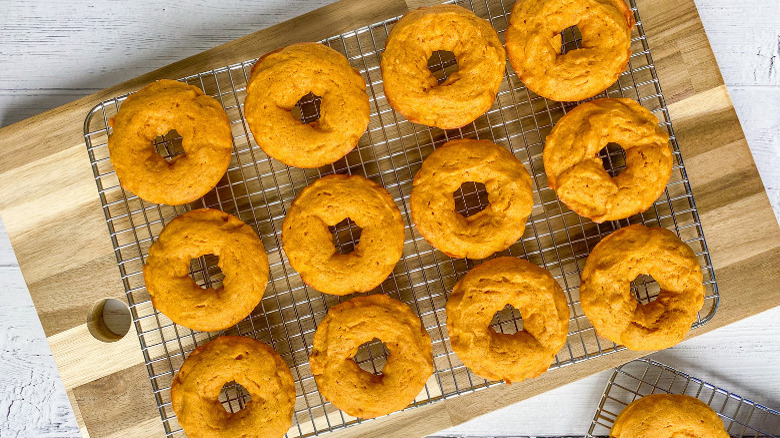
[205, 271]
[346, 236]
[442, 64]
[613, 158]
[307, 109]
[168, 145]
[470, 198]
[507, 321]
[569, 39]
[371, 356]
[234, 397]
[645, 289]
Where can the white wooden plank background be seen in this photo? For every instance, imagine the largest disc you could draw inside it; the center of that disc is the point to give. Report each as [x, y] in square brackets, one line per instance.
[52, 52]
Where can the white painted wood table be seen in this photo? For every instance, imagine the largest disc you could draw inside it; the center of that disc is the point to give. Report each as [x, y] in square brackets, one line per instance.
[52, 52]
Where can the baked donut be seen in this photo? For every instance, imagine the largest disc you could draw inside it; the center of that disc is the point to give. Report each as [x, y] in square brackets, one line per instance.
[155, 110]
[605, 291]
[577, 174]
[242, 260]
[668, 416]
[349, 325]
[493, 229]
[309, 244]
[250, 363]
[487, 289]
[282, 77]
[533, 43]
[412, 89]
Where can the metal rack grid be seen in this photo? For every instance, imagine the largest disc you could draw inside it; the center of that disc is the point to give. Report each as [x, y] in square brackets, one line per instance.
[258, 190]
[634, 380]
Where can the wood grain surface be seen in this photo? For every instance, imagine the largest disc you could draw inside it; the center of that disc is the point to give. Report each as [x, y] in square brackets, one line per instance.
[49, 204]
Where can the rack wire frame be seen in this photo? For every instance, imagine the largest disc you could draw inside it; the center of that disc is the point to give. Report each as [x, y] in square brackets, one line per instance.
[642, 377]
[259, 189]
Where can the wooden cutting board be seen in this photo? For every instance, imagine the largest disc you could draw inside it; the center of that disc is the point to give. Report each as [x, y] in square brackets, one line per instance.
[50, 206]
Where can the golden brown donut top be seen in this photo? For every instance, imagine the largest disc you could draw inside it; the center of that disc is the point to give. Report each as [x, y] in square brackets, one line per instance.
[242, 259]
[668, 416]
[410, 86]
[487, 289]
[493, 229]
[533, 42]
[155, 110]
[250, 363]
[577, 174]
[308, 242]
[355, 322]
[605, 292]
[280, 78]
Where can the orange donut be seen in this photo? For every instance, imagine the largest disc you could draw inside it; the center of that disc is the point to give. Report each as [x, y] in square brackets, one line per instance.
[493, 229]
[487, 289]
[155, 110]
[349, 325]
[605, 292]
[668, 416]
[533, 43]
[576, 172]
[411, 88]
[280, 79]
[250, 363]
[309, 244]
[242, 259]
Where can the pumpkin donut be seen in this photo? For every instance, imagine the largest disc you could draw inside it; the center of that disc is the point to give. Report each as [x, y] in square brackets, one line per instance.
[412, 89]
[349, 325]
[668, 416]
[155, 110]
[279, 79]
[577, 174]
[250, 363]
[605, 292]
[493, 229]
[533, 43]
[487, 289]
[309, 244]
[242, 260]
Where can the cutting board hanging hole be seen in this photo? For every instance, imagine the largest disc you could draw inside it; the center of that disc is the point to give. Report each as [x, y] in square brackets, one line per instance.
[108, 320]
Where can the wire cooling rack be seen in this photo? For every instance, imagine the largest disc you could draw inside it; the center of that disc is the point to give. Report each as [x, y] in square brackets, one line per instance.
[259, 190]
[634, 380]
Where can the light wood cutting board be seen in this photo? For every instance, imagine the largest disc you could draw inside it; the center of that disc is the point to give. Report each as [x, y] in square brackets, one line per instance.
[51, 209]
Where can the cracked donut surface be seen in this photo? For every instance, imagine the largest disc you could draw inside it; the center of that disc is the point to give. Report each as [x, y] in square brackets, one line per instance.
[493, 229]
[279, 79]
[576, 172]
[242, 259]
[487, 289]
[156, 110]
[345, 328]
[610, 305]
[308, 241]
[533, 43]
[414, 91]
[252, 364]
